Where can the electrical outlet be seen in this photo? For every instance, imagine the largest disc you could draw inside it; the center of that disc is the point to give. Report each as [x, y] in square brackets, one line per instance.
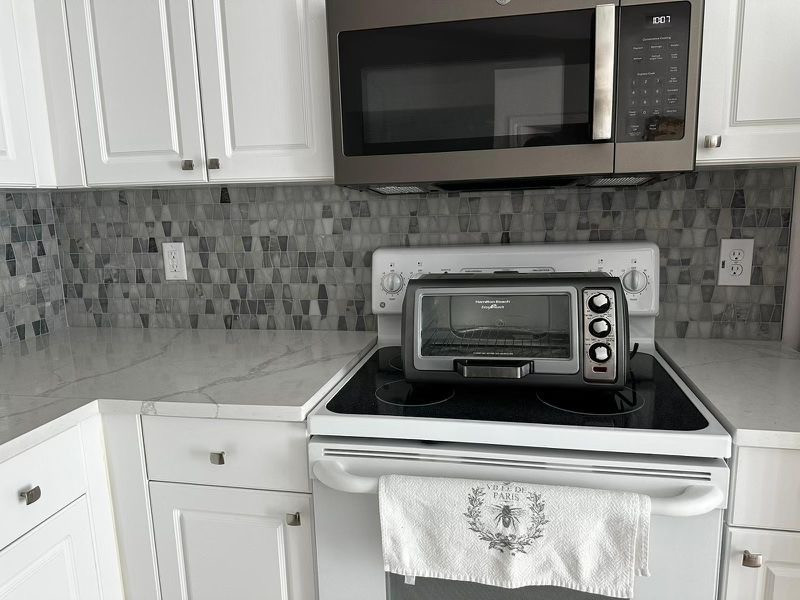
[174, 261]
[735, 262]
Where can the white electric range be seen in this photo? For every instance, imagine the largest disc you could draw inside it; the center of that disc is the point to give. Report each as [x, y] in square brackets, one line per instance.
[653, 437]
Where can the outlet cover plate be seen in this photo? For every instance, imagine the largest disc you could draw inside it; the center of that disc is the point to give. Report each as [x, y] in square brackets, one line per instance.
[735, 262]
[174, 261]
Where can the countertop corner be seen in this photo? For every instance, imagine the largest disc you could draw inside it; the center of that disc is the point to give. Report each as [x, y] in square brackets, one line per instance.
[752, 387]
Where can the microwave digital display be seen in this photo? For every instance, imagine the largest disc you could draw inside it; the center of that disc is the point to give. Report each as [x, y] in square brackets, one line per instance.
[657, 21]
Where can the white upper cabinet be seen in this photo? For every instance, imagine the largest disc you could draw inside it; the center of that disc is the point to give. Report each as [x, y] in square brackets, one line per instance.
[137, 90]
[750, 82]
[16, 158]
[264, 81]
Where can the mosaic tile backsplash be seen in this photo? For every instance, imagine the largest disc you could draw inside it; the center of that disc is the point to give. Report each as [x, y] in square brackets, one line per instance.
[298, 257]
[31, 292]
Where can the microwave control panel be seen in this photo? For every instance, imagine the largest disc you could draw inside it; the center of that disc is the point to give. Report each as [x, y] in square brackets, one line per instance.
[653, 61]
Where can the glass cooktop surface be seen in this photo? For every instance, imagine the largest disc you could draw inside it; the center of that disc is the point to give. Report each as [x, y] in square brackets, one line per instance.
[650, 400]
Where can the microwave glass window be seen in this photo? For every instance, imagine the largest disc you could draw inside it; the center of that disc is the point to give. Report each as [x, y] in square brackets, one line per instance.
[480, 84]
[442, 589]
[495, 326]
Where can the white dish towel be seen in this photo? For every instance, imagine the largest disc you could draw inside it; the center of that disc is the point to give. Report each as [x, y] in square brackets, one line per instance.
[514, 535]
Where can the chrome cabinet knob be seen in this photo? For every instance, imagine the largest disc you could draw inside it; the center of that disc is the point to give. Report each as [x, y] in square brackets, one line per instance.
[213, 163]
[217, 458]
[187, 165]
[712, 141]
[293, 519]
[30, 496]
[754, 561]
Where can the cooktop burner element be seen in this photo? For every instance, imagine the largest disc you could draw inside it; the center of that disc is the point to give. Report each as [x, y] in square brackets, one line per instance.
[402, 393]
[652, 400]
[594, 403]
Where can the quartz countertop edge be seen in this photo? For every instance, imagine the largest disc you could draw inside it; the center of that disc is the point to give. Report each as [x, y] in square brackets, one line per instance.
[52, 383]
[752, 387]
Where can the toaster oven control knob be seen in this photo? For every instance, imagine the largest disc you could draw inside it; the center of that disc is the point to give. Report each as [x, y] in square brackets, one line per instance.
[599, 353]
[600, 328]
[392, 283]
[599, 303]
[634, 281]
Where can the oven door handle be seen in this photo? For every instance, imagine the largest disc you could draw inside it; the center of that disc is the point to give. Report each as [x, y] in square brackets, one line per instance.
[605, 34]
[694, 501]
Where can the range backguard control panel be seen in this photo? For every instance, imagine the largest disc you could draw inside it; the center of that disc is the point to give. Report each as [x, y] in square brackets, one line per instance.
[653, 60]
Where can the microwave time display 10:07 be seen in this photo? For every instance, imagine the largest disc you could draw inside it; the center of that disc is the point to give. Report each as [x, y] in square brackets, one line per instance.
[657, 20]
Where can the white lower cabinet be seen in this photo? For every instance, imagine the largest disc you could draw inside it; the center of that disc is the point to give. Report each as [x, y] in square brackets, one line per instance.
[54, 561]
[214, 542]
[778, 577]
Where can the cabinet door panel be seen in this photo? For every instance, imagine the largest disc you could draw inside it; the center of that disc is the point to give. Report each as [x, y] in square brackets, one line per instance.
[216, 542]
[750, 81]
[779, 576]
[264, 79]
[16, 158]
[137, 90]
[54, 561]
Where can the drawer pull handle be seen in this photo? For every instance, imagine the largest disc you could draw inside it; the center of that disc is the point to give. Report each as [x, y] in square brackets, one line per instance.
[754, 561]
[293, 519]
[30, 496]
[217, 458]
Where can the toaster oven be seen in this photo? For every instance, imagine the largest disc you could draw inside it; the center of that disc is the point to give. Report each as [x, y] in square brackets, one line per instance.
[555, 329]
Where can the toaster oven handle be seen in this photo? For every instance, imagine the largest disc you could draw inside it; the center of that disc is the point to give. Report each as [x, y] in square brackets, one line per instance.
[493, 370]
[605, 34]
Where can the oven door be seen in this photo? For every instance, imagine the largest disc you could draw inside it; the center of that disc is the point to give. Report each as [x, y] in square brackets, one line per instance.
[471, 89]
[689, 496]
[537, 328]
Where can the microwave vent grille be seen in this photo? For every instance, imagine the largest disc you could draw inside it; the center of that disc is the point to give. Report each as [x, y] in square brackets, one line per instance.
[389, 190]
[629, 180]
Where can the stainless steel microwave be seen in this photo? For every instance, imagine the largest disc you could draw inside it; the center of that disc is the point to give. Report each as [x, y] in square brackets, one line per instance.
[554, 329]
[456, 95]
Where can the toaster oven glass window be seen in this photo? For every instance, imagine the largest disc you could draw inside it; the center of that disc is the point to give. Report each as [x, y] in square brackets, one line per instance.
[479, 84]
[495, 326]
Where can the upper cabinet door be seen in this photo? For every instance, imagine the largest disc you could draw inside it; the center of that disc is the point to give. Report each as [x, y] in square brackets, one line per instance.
[750, 81]
[137, 90]
[16, 158]
[266, 97]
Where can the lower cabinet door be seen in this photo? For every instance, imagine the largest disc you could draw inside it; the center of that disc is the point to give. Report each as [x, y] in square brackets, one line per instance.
[215, 542]
[777, 577]
[54, 561]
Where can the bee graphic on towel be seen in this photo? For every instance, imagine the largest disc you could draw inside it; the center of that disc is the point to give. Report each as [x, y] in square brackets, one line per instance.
[516, 516]
[514, 534]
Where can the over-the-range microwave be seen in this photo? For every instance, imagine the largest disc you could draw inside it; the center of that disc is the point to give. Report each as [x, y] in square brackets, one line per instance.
[457, 95]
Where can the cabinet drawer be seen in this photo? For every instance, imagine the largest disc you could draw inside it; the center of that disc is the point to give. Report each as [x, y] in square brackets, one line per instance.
[767, 489]
[257, 454]
[56, 468]
[778, 577]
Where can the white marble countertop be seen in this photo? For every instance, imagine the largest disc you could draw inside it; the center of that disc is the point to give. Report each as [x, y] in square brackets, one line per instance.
[267, 375]
[752, 387]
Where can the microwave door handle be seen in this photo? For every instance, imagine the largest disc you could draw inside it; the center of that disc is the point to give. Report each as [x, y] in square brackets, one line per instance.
[605, 36]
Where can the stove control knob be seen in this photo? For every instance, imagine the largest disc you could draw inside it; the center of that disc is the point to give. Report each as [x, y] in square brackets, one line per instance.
[392, 283]
[634, 281]
[599, 303]
[600, 353]
[600, 328]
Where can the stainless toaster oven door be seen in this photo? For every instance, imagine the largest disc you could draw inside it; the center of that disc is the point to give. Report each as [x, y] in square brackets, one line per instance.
[537, 325]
